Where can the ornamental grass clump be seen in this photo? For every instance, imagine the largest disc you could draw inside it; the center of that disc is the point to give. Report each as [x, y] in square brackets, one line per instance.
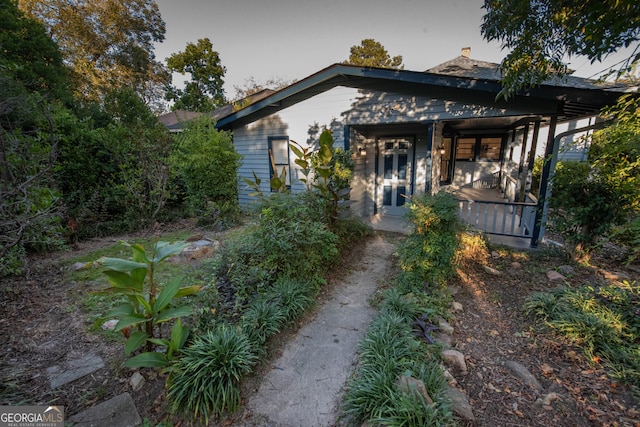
[205, 380]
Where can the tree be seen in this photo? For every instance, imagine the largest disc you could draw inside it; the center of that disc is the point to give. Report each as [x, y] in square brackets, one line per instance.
[371, 53]
[251, 86]
[29, 55]
[204, 92]
[114, 174]
[30, 211]
[543, 34]
[107, 44]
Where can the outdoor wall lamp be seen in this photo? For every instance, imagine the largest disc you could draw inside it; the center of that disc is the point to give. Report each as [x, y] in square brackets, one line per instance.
[362, 151]
[441, 149]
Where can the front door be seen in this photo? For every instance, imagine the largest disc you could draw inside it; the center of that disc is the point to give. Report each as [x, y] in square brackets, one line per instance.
[394, 174]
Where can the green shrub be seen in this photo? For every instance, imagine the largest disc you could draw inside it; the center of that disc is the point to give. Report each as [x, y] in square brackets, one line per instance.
[205, 380]
[286, 241]
[430, 249]
[206, 165]
[628, 235]
[583, 205]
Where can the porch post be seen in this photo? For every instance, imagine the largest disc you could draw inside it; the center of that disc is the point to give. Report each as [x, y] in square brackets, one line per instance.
[550, 151]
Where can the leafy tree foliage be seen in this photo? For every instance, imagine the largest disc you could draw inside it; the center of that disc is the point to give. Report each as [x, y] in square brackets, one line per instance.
[206, 165]
[542, 34]
[589, 198]
[371, 53]
[31, 74]
[107, 44]
[29, 55]
[251, 86]
[204, 92]
[114, 175]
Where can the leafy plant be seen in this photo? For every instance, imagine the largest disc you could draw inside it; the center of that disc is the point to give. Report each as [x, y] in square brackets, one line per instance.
[204, 155]
[149, 305]
[584, 206]
[261, 321]
[604, 321]
[430, 249]
[205, 380]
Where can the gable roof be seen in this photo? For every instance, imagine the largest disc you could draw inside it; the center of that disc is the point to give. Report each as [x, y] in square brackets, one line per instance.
[174, 119]
[462, 79]
[463, 66]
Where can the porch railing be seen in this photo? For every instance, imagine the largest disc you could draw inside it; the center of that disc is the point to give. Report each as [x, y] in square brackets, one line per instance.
[500, 218]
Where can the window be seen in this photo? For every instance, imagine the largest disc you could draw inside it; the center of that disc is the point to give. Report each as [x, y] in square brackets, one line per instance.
[279, 157]
[472, 149]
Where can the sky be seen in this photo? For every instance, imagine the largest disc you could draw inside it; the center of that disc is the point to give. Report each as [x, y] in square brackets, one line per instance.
[292, 39]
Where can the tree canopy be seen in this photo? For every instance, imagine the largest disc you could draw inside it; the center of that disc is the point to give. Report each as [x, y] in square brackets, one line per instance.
[371, 53]
[107, 44]
[542, 35]
[205, 91]
[29, 55]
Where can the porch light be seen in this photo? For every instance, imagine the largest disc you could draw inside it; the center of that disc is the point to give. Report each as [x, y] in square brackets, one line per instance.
[362, 151]
[441, 149]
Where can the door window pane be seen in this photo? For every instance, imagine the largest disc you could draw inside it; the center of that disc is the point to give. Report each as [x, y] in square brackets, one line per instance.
[386, 195]
[401, 192]
[402, 166]
[388, 166]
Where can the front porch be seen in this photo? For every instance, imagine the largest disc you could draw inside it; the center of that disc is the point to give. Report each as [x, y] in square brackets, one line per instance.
[493, 211]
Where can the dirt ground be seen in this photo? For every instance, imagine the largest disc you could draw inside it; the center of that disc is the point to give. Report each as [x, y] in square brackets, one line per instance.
[42, 324]
[491, 329]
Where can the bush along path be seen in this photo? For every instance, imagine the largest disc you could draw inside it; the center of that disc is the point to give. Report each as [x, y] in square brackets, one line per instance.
[304, 385]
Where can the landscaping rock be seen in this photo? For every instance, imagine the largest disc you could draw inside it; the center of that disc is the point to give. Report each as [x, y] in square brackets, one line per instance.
[109, 325]
[136, 381]
[491, 270]
[456, 306]
[523, 373]
[444, 339]
[80, 266]
[460, 403]
[567, 270]
[495, 255]
[456, 359]
[445, 327]
[515, 265]
[408, 385]
[70, 371]
[554, 276]
[119, 411]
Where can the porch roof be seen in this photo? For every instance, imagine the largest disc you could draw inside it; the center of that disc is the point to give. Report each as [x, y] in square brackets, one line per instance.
[455, 80]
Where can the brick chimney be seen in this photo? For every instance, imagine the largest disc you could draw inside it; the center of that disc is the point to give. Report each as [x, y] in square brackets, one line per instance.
[466, 52]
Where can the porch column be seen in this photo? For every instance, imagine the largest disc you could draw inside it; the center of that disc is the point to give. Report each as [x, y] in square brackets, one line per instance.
[550, 151]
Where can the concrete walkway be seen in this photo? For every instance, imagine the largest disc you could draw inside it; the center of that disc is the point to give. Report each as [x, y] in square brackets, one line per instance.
[305, 384]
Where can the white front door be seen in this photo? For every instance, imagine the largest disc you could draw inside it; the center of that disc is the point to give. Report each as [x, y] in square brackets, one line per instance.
[394, 174]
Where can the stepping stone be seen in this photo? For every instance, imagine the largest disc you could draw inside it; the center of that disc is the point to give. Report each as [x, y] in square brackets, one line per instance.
[119, 411]
[60, 375]
[523, 373]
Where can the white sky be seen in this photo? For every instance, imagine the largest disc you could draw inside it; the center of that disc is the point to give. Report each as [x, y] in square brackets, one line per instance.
[292, 39]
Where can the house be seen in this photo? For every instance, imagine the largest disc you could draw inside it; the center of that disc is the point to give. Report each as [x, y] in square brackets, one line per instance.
[415, 132]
